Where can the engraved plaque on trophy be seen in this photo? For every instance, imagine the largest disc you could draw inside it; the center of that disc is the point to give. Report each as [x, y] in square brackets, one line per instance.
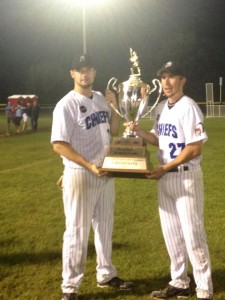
[128, 155]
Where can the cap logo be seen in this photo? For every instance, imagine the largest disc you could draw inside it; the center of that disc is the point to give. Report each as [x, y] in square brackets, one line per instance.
[82, 58]
[169, 64]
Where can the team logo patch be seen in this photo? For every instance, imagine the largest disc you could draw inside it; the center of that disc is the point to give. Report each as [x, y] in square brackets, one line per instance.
[83, 109]
[199, 129]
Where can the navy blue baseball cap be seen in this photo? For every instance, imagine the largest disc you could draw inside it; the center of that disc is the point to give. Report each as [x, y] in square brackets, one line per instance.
[173, 68]
[81, 61]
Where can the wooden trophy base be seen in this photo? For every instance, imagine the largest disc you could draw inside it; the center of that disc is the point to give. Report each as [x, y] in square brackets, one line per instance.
[127, 158]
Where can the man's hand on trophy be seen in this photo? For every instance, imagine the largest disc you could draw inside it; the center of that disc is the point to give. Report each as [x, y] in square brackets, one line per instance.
[135, 127]
[144, 91]
[97, 171]
[131, 127]
[111, 98]
[156, 173]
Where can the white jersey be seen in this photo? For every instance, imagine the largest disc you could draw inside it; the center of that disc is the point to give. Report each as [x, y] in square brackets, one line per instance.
[177, 127]
[83, 119]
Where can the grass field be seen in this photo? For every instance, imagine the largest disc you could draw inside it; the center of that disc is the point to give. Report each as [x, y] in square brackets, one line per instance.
[32, 222]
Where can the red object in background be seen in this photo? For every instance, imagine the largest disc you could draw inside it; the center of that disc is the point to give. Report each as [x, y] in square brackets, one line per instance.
[14, 99]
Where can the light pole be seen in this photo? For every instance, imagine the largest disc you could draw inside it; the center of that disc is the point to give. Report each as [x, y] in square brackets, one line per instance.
[221, 83]
[84, 29]
[85, 4]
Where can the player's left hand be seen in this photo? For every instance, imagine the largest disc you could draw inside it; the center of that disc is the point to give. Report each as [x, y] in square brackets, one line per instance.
[131, 127]
[111, 98]
[156, 173]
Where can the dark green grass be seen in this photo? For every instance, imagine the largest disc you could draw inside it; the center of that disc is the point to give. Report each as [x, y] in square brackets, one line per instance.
[32, 222]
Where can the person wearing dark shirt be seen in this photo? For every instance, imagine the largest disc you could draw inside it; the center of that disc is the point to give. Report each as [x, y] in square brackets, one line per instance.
[35, 115]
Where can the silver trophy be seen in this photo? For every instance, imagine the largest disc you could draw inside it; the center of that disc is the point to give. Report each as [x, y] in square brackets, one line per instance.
[133, 95]
[128, 155]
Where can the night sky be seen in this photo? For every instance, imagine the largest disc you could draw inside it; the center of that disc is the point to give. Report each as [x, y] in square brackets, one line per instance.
[49, 32]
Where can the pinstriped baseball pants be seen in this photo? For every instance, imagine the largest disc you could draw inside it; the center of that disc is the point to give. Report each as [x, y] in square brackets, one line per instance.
[181, 207]
[88, 201]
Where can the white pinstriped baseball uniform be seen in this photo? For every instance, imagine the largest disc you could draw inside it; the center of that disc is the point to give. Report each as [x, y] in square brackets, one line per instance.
[88, 199]
[181, 195]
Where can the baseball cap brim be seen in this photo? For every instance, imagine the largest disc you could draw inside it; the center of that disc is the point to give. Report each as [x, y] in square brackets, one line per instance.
[173, 68]
[82, 61]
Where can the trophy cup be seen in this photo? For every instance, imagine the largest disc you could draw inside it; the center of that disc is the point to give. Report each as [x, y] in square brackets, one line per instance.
[128, 155]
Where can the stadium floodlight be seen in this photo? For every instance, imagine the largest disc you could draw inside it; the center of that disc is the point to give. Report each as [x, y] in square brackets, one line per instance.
[84, 4]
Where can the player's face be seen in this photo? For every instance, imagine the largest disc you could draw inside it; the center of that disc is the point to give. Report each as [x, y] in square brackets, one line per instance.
[83, 77]
[172, 85]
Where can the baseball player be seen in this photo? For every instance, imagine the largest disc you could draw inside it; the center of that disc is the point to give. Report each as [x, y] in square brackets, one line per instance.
[82, 125]
[179, 133]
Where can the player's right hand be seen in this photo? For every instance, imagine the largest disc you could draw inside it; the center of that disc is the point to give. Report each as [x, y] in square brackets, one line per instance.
[97, 171]
[156, 173]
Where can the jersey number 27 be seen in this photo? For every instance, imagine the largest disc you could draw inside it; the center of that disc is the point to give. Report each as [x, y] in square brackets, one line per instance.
[174, 147]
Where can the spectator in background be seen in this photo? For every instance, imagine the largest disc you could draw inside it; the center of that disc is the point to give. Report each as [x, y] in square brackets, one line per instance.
[26, 115]
[35, 115]
[18, 117]
[10, 113]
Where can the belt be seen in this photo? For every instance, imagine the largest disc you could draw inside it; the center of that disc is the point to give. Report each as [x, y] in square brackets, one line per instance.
[179, 169]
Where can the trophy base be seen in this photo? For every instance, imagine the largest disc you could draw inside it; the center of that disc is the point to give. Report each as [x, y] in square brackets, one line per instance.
[127, 158]
[126, 167]
[126, 173]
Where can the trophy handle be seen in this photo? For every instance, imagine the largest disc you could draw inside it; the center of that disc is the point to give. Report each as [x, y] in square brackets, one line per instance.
[154, 81]
[111, 84]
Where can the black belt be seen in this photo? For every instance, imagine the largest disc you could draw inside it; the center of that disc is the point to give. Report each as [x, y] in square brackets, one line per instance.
[179, 169]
